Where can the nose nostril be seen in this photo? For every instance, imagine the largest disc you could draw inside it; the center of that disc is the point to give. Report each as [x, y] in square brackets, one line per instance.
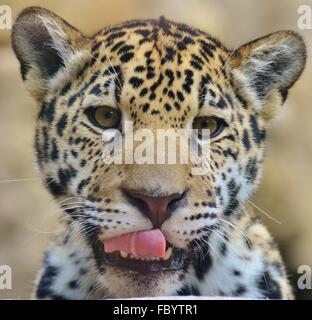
[136, 200]
[177, 201]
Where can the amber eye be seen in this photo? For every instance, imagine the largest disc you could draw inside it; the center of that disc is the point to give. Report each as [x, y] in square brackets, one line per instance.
[213, 124]
[103, 117]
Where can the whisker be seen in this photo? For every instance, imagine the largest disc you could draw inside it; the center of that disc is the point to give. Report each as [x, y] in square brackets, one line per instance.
[96, 288]
[20, 180]
[212, 248]
[239, 229]
[265, 213]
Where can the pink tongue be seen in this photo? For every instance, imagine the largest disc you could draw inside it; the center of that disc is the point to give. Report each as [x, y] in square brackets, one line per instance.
[139, 244]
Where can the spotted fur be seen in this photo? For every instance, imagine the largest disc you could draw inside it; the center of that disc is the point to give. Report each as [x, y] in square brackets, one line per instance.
[159, 74]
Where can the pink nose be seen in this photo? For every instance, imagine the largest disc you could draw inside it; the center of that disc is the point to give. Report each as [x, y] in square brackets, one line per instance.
[157, 209]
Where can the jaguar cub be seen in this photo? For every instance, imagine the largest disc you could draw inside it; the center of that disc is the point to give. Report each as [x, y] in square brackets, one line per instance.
[154, 229]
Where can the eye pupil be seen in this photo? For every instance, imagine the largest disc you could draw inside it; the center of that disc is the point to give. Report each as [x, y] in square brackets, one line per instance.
[106, 115]
[206, 124]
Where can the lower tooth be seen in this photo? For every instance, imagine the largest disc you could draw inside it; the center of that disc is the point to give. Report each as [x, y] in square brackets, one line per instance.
[166, 257]
[123, 254]
[168, 254]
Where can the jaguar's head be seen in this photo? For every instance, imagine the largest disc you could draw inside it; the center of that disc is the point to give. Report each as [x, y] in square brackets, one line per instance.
[147, 221]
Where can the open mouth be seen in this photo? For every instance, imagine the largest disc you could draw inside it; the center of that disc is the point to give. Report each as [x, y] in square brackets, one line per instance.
[173, 260]
[143, 252]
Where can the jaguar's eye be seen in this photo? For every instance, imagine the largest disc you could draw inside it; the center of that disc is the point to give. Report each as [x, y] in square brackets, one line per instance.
[104, 117]
[213, 124]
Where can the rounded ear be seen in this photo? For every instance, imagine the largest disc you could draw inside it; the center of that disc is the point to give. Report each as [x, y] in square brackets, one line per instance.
[271, 63]
[44, 44]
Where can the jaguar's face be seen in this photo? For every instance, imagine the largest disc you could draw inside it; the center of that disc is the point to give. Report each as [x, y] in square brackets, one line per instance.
[154, 75]
[140, 83]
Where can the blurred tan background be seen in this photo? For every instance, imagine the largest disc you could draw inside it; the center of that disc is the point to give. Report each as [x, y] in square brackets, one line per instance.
[28, 214]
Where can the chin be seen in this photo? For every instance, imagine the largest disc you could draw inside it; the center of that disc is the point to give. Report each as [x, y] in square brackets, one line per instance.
[130, 284]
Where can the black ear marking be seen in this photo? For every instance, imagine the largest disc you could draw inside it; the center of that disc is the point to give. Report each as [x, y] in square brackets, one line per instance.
[284, 94]
[24, 68]
[272, 62]
[43, 42]
[46, 57]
